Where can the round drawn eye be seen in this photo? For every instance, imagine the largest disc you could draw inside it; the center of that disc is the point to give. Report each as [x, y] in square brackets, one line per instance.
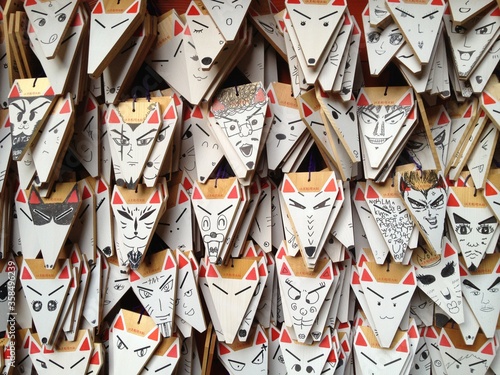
[52, 305]
[32, 115]
[312, 298]
[145, 293]
[41, 22]
[373, 37]
[302, 23]
[296, 367]
[493, 290]
[395, 117]
[120, 344]
[37, 305]
[19, 116]
[144, 141]
[119, 286]
[236, 365]
[459, 30]
[61, 17]
[463, 229]
[221, 222]
[325, 24]
[475, 293]
[485, 229]
[309, 369]
[294, 294]
[142, 352]
[205, 223]
[188, 293]
[395, 39]
[424, 355]
[484, 30]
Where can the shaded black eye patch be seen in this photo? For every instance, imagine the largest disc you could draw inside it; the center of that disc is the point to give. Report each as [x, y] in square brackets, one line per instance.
[449, 269]
[426, 279]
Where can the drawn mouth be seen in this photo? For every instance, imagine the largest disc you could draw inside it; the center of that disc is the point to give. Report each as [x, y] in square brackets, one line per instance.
[431, 220]
[464, 10]
[190, 312]
[387, 317]
[466, 55]
[486, 309]
[246, 149]
[453, 307]
[377, 141]
[380, 12]
[52, 39]
[380, 51]
[446, 293]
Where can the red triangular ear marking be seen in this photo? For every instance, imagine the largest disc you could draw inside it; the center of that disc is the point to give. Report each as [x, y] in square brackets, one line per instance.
[496, 12]
[154, 119]
[489, 190]
[182, 262]
[170, 263]
[261, 339]
[234, 193]
[285, 270]
[468, 113]
[90, 105]
[463, 272]
[154, 335]
[49, 92]
[326, 275]
[133, 276]
[355, 278]
[366, 276]
[444, 341]
[413, 332]
[30, 2]
[212, 272]
[332, 186]
[360, 340]
[359, 195]
[14, 93]
[407, 101]
[85, 345]
[275, 334]
[26, 275]
[262, 270]
[293, 1]
[403, 347]
[134, 8]
[452, 201]
[488, 349]
[196, 194]
[66, 108]
[288, 187]
[34, 198]
[448, 251]
[173, 353]
[119, 324]
[487, 99]
[117, 199]
[95, 359]
[223, 349]
[443, 119]
[113, 118]
[98, 8]
[430, 333]
[34, 349]
[101, 186]
[197, 112]
[338, 3]
[192, 11]
[74, 258]
[20, 197]
[178, 28]
[285, 337]
[410, 279]
[73, 198]
[64, 273]
[271, 96]
[86, 193]
[371, 193]
[325, 343]
[170, 115]
[155, 199]
[252, 275]
[437, 2]
[307, 111]
[362, 101]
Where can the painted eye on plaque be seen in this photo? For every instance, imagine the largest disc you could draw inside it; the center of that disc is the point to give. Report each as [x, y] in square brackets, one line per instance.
[302, 23]
[312, 298]
[463, 229]
[37, 305]
[61, 17]
[236, 365]
[120, 141]
[458, 29]
[373, 37]
[40, 22]
[294, 203]
[368, 118]
[205, 223]
[325, 24]
[395, 39]
[485, 229]
[52, 305]
[485, 30]
[448, 270]
[216, 7]
[321, 204]
[120, 344]
[141, 352]
[394, 117]
[119, 287]
[259, 358]
[426, 279]
[493, 290]
[221, 222]
[188, 293]
[145, 293]
[144, 141]
[232, 128]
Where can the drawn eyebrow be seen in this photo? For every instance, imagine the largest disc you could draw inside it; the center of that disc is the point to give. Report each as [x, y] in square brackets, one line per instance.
[399, 295]
[139, 349]
[459, 129]
[119, 23]
[182, 213]
[75, 364]
[430, 14]
[393, 114]
[329, 105]
[33, 109]
[315, 358]
[274, 116]
[217, 1]
[55, 290]
[290, 284]
[144, 288]
[294, 356]
[328, 15]
[128, 48]
[166, 281]
[38, 12]
[391, 362]
[318, 288]
[17, 106]
[449, 355]
[36, 291]
[3, 139]
[55, 363]
[224, 210]
[490, 220]
[242, 290]
[125, 345]
[459, 219]
[175, 54]
[46, 217]
[162, 368]
[470, 284]
[222, 290]
[402, 11]
[56, 125]
[96, 20]
[149, 132]
[67, 5]
[486, 136]
[374, 292]
[494, 283]
[68, 38]
[381, 208]
[302, 14]
[367, 210]
[120, 134]
[419, 349]
[477, 363]
[371, 360]
[295, 121]
[3, 56]
[121, 280]
[317, 123]
[203, 130]
[183, 280]
[64, 213]
[206, 211]
[482, 27]
[199, 23]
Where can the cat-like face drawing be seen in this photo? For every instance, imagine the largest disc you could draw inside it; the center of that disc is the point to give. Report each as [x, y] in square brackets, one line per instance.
[156, 291]
[131, 144]
[480, 296]
[25, 115]
[426, 197]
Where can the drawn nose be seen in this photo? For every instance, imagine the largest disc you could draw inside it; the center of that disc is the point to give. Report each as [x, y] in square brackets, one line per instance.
[303, 312]
[280, 136]
[484, 299]
[310, 250]
[213, 234]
